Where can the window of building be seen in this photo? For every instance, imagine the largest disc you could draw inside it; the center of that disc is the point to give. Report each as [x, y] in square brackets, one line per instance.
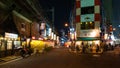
[22, 25]
[87, 25]
[87, 10]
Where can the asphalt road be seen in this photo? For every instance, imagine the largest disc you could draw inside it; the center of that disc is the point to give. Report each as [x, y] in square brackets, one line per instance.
[62, 58]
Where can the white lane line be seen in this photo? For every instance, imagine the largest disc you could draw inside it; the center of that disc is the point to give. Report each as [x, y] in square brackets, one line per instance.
[95, 55]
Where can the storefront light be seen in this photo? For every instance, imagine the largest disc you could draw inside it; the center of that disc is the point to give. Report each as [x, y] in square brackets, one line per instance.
[52, 35]
[45, 34]
[45, 38]
[106, 36]
[28, 40]
[33, 37]
[12, 38]
[72, 36]
[111, 42]
[49, 31]
[40, 38]
[97, 42]
[57, 38]
[1, 38]
[93, 34]
[90, 42]
[90, 22]
[5, 38]
[112, 37]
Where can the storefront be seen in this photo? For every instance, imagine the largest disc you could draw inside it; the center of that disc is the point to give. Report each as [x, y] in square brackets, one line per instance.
[90, 44]
[8, 44]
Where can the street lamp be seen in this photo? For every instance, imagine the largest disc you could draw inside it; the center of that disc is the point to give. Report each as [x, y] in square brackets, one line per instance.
[66, 25]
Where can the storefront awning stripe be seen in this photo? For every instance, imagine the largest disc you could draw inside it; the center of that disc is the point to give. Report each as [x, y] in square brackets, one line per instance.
[87, 38]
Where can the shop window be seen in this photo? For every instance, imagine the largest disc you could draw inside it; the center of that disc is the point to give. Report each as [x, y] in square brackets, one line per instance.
[23, 25]
[87, 25]
[87, 10]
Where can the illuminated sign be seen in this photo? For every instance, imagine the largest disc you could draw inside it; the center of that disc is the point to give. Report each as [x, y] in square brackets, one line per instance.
[42, 27]
[49, 32]
[10, 35]
[90, 33]
[86, 3]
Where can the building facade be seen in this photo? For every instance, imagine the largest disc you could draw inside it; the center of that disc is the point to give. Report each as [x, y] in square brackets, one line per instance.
[88, 21]
[20, 21]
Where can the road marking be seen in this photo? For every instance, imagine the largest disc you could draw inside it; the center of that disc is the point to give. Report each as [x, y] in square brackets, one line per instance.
[95, 55]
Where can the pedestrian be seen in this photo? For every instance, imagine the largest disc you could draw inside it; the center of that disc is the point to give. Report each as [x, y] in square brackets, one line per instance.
[83, 47]
[77, 48]
[97, 48]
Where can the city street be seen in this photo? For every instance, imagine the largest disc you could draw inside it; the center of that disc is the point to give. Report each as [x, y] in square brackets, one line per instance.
[62, 58]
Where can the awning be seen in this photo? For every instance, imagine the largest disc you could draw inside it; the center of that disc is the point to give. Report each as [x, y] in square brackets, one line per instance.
[87, 38]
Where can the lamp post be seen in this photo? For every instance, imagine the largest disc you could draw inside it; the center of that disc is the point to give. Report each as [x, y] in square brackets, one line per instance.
[66, 25]
[71, 32]
[67, 30]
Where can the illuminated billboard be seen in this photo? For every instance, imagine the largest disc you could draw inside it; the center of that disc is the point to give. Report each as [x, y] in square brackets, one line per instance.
[86, 3]
[11, 35]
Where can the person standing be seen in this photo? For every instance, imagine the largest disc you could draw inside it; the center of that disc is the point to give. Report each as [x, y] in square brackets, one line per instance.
[77, 48]
[83, 47]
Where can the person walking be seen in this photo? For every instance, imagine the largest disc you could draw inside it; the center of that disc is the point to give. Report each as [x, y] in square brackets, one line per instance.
[77, 48]
[97, 48]
[83, 47]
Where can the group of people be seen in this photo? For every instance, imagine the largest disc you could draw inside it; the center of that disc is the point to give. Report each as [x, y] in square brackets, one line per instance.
[91, 48]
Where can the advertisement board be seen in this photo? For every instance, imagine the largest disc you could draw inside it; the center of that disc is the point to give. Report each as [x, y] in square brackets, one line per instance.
[86, 3]
[89, 33]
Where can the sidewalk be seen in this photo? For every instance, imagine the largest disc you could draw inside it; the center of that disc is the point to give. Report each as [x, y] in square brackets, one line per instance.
[11, 58]
[8, 58]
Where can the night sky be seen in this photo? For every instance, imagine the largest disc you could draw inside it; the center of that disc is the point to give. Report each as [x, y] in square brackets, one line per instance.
[116, 11]
[62, 11]
[116, 17]
[63, 7]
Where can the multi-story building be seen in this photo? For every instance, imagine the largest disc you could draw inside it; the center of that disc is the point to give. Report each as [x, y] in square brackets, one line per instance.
[17, 20]
[107, 21]
[93, 21]
[88, 21]
[20, 20]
